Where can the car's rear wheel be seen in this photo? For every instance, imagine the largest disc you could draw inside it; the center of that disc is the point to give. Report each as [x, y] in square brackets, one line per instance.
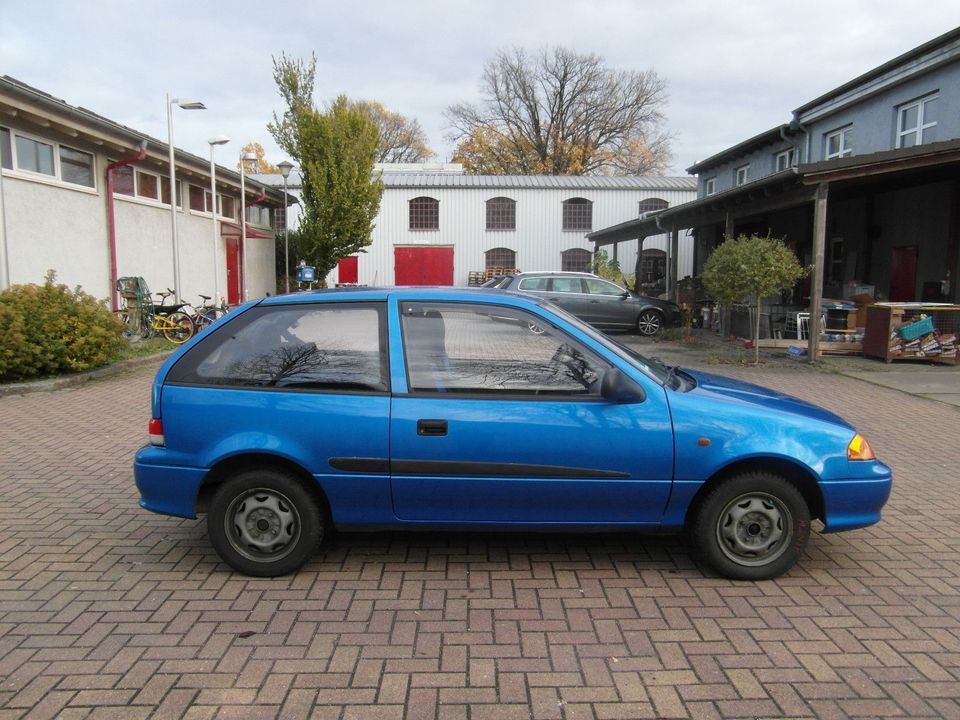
[649, 322]
[753, 526]
[263, 522]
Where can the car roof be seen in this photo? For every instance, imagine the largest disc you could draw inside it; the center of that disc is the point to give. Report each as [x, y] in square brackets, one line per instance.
[412, 292]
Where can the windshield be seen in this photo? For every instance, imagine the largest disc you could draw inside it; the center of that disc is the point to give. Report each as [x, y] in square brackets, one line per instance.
[650, 366]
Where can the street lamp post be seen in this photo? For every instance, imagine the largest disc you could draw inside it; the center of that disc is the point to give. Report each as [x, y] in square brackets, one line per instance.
[245, 157]
[186, 105]
[285, 167]
[213, 142]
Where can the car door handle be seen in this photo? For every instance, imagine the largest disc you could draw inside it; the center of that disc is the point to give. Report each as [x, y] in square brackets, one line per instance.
[434, 428]
[595, 301]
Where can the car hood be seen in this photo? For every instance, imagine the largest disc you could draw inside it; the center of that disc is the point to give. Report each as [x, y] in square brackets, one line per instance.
[755, 395]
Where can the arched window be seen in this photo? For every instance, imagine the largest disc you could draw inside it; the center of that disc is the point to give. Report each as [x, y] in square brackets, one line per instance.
[501, 258]
[575, 260]
[652, 205]
[424, 214]
[577, 214]
[501, 214]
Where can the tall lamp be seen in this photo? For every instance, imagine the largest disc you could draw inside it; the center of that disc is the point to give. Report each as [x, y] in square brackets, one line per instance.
[285, 167]
[186, 105]
[245, 157]
[213, 142]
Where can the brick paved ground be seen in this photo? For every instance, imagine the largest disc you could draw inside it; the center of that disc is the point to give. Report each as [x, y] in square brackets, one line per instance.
[107, 611]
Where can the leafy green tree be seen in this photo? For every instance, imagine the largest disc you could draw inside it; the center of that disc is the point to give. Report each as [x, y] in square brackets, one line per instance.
[751, 267]
[335, 150]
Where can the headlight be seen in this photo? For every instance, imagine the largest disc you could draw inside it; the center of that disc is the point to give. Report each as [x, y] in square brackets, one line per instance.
[859, 449]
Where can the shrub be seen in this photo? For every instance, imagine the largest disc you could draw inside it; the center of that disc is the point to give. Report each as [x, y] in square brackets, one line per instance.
[50, 329]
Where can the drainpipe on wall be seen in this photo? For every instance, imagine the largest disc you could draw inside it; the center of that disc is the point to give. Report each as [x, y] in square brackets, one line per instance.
[796, 125]
[111, 220]
[243, 237]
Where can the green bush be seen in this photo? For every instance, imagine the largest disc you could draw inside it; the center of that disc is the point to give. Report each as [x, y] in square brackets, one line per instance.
[50, 329]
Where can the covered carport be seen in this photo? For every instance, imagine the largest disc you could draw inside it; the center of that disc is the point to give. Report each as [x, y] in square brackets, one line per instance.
[847, 218]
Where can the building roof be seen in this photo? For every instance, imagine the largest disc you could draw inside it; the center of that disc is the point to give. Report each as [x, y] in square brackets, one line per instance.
[536, 182]
[121, 135]
[744, 148]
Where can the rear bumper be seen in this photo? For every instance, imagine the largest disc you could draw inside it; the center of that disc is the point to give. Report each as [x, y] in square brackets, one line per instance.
[166, 489]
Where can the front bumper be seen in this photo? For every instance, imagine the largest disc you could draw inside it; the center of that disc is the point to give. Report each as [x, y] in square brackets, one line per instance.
[852, 503]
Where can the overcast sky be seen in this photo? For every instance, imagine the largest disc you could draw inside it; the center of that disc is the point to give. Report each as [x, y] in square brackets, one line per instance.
[733, 69]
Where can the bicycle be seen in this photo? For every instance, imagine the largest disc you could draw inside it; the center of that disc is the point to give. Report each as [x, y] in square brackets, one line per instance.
[206, 314]
[169, 320]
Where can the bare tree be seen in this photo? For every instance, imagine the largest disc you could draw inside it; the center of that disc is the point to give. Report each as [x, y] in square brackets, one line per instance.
[562, 113]
[401, 140]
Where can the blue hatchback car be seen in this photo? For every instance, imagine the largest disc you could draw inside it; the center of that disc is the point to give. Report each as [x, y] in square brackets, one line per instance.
[436, 408]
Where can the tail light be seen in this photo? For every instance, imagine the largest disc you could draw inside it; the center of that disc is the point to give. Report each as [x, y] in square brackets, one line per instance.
[859, 449]
[155, 430]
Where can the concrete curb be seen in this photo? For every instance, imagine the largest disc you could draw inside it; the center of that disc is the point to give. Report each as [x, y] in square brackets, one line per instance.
[66, 381]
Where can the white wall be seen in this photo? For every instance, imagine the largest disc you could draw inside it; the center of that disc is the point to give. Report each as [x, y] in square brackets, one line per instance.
[538, 240]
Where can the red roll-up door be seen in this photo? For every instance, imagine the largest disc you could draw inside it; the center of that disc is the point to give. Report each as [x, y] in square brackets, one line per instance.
[423, 265]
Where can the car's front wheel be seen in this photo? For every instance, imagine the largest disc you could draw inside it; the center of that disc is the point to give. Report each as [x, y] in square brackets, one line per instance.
[649, 322]
[753, 526]
[263, 522]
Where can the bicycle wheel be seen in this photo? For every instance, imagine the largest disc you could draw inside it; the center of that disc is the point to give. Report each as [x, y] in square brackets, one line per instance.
[178, 327]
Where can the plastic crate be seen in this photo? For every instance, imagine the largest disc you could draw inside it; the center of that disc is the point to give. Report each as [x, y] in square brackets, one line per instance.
[921, 327]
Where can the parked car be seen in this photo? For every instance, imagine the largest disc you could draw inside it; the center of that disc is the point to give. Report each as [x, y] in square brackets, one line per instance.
[602, 303]
[411, 408]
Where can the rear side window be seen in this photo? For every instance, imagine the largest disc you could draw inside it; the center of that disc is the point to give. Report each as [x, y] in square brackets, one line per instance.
[538, 283]
[330, 346]
[566, 285]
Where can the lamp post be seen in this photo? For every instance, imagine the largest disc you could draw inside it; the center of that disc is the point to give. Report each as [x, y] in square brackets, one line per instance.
[213, 142]
[186, 104]
[285, 167]
[245, 157]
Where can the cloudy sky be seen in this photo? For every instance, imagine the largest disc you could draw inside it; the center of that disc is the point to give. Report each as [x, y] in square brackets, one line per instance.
[734, 69]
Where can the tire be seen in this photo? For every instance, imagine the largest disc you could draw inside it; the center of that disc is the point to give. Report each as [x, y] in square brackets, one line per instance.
[264, 523]
[753, 526]
[649, 322]
[182, 330]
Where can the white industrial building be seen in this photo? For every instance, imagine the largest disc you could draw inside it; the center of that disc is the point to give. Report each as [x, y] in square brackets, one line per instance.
[90, 199]
[439, 226]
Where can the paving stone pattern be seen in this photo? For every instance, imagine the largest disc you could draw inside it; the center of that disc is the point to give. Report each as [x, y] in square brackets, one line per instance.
[107, 611]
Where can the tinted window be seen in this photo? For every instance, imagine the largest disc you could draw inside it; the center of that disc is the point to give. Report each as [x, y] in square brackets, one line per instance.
[333, 346]
[453, 348]
[538, 283]
[566, 285]
[602, 287]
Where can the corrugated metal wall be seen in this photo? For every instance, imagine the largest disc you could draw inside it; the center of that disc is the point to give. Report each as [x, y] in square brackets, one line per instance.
[538, 240]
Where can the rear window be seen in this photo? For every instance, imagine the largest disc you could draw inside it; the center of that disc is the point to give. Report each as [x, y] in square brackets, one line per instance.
[537, 283]
[329, 346]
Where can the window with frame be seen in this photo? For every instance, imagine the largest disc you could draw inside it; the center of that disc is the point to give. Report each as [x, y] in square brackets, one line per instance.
[710, 186]
[448, 349]
[280, 218]
[200, 199]
[258, 215]
[839, 143]
[784, 160]
[320, 347]
[51, 159]
[143, 184]
[501, 257]
[228, 207]
[652, 205]
[501, 214]
[741, 175]
[424, 213]
[577, 214]
[602, 287]
[575, 260]
[917, 122]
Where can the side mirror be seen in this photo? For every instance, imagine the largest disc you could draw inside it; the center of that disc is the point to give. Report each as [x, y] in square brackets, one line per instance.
[618, 388]
[625, 295]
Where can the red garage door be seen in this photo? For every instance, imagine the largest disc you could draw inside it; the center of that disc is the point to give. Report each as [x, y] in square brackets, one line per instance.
[347, 270]
[423, 265]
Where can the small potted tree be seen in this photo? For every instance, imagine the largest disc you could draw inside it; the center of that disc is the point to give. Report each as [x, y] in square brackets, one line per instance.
[751, 267]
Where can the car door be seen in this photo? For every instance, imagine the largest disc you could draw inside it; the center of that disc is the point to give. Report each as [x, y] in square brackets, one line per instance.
[499, 424]
[609, 305]
[569, 293]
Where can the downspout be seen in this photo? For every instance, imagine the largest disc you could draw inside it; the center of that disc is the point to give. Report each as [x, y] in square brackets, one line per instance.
[112, 222]
[796, 125]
